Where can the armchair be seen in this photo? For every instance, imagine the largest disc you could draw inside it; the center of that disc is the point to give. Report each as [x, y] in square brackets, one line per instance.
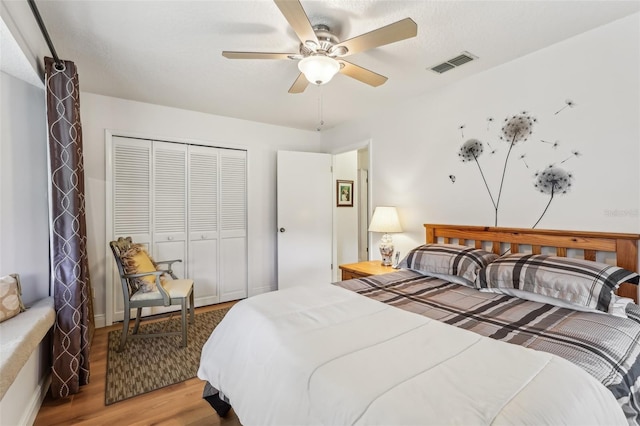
[146, 289]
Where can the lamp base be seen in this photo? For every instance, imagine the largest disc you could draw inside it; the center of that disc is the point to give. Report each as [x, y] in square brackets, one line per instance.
[386, 249]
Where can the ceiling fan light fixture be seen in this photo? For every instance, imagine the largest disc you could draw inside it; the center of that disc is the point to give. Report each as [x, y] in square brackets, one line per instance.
[311, 45]
[338, 51]
[319, 69]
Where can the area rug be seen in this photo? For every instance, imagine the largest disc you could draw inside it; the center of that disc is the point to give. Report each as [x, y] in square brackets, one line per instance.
[149, 364]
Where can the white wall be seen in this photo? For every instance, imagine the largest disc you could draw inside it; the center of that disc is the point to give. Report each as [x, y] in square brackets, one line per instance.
[415, 145]
[262, 141]
[345, 167]
[24, 229]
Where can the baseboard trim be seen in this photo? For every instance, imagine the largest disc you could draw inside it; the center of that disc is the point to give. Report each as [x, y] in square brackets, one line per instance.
[36, 400]
[259, 290]
[100, 320]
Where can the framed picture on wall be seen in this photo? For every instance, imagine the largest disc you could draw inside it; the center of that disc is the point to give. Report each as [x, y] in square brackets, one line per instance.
[344, 193]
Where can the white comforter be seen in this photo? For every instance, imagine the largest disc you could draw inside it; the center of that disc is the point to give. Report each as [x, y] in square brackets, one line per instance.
[325, 355]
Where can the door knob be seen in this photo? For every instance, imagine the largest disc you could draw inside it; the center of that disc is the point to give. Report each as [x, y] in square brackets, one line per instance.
[282, 229]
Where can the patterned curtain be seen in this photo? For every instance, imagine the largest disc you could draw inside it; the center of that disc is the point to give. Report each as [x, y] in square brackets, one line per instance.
[69, 266]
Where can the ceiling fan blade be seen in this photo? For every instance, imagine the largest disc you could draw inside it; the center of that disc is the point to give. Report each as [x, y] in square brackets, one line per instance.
[362, 74]
[299, 85]
[391, 33]
[257, 55]
[298, 19]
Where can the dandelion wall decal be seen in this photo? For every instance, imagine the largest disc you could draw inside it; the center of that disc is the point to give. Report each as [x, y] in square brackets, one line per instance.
[493, 151]
[552, 181]
[470, 151]
[489, 122]
[573, 154]
[516, 129]
[568, 103]
[553, 144]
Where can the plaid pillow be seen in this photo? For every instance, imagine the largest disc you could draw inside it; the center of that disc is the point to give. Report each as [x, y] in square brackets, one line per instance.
[582, 282]
[455, 263]
[633, 311]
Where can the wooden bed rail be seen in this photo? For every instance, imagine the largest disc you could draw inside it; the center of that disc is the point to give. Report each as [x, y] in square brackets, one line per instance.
[625, 246]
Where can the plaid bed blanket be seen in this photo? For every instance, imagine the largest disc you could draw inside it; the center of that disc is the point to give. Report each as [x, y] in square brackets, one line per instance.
[605, 346]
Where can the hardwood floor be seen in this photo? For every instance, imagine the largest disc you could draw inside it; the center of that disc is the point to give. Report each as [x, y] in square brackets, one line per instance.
[179, 404]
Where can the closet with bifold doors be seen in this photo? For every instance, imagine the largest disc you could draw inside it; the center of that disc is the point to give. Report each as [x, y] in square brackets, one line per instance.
[182, 201]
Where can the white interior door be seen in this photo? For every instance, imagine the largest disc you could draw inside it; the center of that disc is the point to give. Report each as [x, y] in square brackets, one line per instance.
[170, 203]
[305, 229]
[233, 225]
[203, 223]
[130, 205]
[169, 209]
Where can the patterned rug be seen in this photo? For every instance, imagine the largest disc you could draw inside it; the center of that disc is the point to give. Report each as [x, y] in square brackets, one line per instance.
[149, 364]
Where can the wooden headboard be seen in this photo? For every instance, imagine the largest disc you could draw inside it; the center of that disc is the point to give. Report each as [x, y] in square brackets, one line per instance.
[625, 246]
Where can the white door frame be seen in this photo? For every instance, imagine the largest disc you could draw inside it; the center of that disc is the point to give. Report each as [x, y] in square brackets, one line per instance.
[363, 213]
[367, 144]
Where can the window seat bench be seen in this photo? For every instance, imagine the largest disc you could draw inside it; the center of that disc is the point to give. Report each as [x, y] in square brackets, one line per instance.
[20, 336]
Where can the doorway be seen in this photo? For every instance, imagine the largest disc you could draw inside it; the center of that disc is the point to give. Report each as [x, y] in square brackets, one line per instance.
[351, 238]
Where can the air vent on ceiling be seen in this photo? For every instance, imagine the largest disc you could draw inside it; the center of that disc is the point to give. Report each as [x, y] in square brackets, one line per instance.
[461, 59]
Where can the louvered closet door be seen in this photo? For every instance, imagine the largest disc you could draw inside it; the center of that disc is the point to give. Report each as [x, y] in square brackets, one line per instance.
[233, 224]
[203, 223]
[170, 204]
[184, 202]
[131, 198]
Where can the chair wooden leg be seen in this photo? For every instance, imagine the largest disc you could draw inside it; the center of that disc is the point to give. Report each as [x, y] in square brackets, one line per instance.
[137, 324]
[192, 307]
[184, 322]
[125, 329]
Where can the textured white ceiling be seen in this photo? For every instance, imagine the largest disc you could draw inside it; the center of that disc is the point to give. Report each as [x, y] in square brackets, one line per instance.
[169, 52]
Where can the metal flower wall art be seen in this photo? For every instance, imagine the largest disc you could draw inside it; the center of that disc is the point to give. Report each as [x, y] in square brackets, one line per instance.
[516, 131]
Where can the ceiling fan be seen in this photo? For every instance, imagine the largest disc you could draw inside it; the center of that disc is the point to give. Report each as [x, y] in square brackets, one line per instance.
[320, 55]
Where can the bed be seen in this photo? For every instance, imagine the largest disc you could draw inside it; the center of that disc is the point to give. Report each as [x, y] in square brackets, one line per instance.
[431, 345]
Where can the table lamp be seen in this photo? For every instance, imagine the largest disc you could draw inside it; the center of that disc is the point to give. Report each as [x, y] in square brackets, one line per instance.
[385, 219]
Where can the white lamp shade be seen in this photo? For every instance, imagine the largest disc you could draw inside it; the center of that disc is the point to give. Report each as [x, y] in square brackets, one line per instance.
[318, 69]
[385, 219]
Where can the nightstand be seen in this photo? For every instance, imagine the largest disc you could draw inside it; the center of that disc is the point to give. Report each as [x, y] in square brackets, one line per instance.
[364, 269]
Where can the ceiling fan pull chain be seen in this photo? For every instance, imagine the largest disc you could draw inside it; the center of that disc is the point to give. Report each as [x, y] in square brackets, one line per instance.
[320, 110]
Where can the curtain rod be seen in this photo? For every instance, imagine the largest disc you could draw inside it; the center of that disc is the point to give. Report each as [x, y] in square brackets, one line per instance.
[45, 33]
